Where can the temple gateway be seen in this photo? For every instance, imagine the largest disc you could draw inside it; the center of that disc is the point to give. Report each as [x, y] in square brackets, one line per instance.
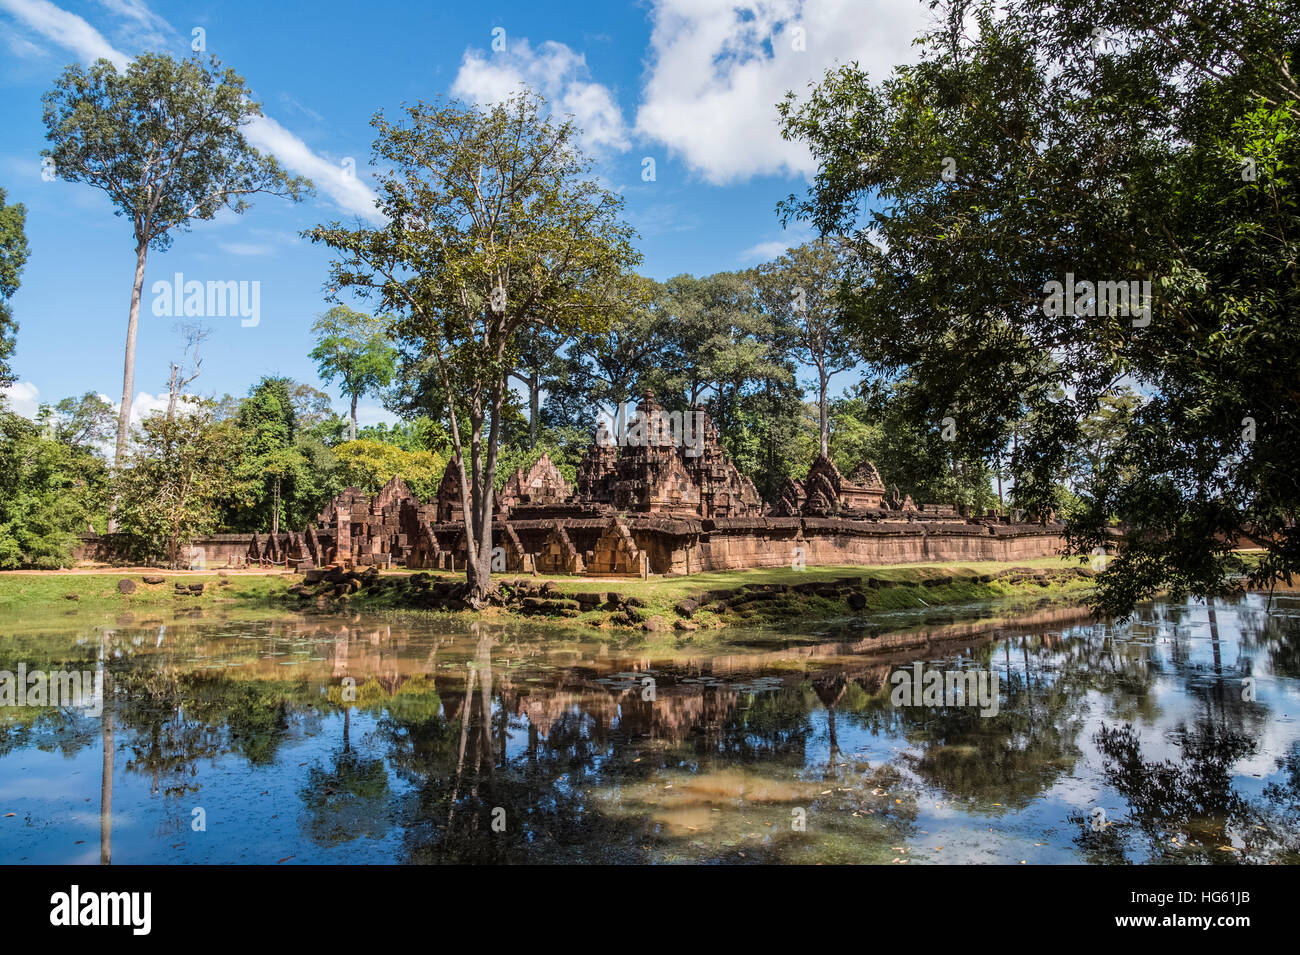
[655, 506]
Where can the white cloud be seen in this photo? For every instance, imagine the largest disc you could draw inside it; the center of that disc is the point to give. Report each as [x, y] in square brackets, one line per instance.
[718, 68]
[23, 398]
[348, 192]
[66, 29]
[764, 251]
[24, 48]
[74, 33]
[144, 405]
[558, 73]
[142, 25]
[297, 106]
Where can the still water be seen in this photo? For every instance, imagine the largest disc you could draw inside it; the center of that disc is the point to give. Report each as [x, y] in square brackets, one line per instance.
[257, 738]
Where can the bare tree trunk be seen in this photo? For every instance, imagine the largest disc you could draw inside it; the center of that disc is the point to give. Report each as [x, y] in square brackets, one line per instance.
[275, 509]
[352, 425]
[479, 567]
[534, 403]
[172, 389]
[128, 371]
[824, 416]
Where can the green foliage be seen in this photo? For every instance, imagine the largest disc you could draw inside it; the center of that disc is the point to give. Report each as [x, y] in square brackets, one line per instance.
[801, 291]
[271, 463]
[493, 224]
[173, 482]
[422, 434]
[1162, 149]
[13, 256]
[882, 426]
[84, 422]
[52, 491]
[352, 347]
[370, 465]
[162, 138]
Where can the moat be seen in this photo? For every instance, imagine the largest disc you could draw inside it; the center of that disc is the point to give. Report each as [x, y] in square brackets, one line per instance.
[265, 737]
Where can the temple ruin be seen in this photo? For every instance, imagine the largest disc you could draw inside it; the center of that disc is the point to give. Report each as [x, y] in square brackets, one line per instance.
[660, 497]
[648, 502]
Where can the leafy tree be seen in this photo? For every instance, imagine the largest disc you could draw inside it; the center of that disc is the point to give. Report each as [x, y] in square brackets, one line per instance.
[370, 465]
[801, 289]
[600, 370]
[422, 434]
[311, 406]
[84, 422]
[270, 459]
[13, 256]
[1099, 141]
[352, 347]
[538, 366]
[492, 225]
[162, 138]
[53, 490]
[175, 478]
[881, 425]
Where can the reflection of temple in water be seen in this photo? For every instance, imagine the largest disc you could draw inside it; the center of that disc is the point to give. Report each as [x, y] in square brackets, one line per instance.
[598, 697]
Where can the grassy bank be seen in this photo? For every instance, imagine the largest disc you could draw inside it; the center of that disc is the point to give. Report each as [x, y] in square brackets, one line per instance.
[710, 600]
[720, 598]
[36, 592]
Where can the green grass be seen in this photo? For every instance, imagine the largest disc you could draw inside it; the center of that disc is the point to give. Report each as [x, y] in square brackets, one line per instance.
[660, 594]
[29, 592]
[32, 593]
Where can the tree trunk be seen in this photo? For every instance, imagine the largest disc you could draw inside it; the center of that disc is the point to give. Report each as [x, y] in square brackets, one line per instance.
[824, 417]
[128, 372]
[478, 570]
[534, 402]
[275, 509]
[352, 426]
[997, 463]
[172, 389]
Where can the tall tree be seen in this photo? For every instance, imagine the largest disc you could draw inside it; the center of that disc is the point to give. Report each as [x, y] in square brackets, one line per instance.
[1075, 193]
[802, 291]
[493, 224]
[84, 422]
[538, 365]
[352, 346]
[170, 487]
[162, 139]
[271, 456]
[13, 256]
[600, 370]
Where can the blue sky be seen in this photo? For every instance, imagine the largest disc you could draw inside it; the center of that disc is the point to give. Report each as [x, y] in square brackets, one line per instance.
[690, 84]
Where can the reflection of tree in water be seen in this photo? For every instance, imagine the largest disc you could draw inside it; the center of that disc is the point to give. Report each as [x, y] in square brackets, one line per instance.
[1284, 798]
[1282, 637]
[348, 800]
[178, 719]
[1190, 802]
[580, 738]
[62, 730]
[1009, 758]
[50, 729]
